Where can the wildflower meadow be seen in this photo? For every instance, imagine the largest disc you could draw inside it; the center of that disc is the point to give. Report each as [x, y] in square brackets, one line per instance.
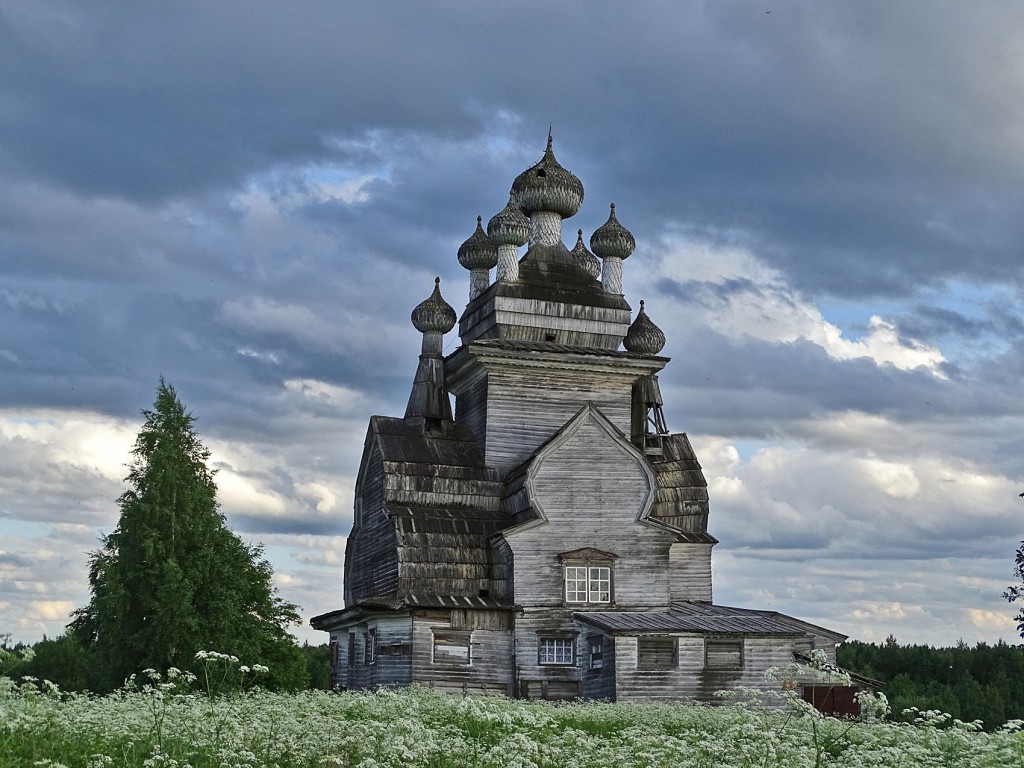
[219, 718]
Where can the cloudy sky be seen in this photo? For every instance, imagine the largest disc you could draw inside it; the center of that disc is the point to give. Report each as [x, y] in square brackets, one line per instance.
[248, 198]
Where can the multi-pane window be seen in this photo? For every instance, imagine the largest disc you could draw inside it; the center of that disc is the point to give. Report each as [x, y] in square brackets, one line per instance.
[557, 650]
[588, 584]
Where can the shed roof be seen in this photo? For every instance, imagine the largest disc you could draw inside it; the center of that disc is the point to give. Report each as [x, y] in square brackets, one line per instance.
[702, 618]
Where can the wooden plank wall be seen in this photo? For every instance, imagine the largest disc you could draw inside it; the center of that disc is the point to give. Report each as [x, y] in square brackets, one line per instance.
[690, 571]
[690, 679]
[393, 659]
[524, 409]
[591, 490]
[490, 668]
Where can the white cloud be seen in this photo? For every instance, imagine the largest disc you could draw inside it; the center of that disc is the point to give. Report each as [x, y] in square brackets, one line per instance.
[739, 295]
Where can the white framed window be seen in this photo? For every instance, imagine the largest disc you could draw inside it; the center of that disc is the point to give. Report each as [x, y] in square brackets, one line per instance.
[557, 650]
[588, 584]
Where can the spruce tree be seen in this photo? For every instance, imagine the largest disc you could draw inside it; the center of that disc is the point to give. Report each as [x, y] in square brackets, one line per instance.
[172, 579]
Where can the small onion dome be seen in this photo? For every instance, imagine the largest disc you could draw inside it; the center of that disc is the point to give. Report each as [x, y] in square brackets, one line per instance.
[643, 336]
[547, 186]
[434, 314]
[479, 251]
[611, 239]
[509, 226]
[585, 260]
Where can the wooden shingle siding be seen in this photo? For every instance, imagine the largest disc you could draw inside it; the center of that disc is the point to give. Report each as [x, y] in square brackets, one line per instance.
[373, 545]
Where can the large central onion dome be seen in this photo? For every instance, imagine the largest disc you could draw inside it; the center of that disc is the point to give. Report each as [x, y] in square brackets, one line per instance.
[547, 186]
[434, 314]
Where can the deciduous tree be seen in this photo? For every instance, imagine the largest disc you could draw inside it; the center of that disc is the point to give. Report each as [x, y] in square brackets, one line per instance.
[1016, 592]
[172, 579]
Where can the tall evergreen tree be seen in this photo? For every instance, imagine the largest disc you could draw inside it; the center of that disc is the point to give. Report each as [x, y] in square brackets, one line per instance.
[171, 579]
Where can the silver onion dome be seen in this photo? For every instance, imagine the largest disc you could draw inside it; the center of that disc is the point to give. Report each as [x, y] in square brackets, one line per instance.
[434, 314]
[643, 336]
[612, 240]
[509, 226]
[547, 186]
[585, 260]
[479, 251]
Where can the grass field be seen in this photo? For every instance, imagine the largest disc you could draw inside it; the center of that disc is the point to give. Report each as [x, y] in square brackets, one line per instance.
[162, 724]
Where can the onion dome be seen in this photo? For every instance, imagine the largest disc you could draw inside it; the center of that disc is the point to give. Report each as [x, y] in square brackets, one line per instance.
[479, 251]
[547, 186]
[585, 260]
[643, 336]
[434, 314]
[509, 226]
[611, 239]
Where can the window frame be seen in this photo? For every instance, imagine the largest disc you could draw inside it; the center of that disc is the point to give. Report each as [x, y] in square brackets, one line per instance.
[651, 639]
[595, 652]
[445, 635]
[351, 649]
[737, 642]
[555, 642]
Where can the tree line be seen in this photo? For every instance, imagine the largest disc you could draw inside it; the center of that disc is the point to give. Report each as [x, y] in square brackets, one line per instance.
[984, 682]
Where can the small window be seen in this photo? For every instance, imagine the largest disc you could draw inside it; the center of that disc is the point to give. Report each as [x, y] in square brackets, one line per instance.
[351, 649]
[596, 652]
[657, 653]
[557, 650]
[723, 654]
[371, 646]
[588, 584]
[452, 647]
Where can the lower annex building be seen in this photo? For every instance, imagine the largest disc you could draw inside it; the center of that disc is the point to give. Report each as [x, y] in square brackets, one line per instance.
[551, 539]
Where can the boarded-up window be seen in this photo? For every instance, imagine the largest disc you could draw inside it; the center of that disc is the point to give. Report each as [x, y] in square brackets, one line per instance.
[723, 654]
[351, 649]
[335, 653]
[556, 650]
[452, 646]
[657, 653]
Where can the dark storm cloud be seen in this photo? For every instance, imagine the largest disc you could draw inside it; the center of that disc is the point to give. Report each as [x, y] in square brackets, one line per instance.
[781, 126]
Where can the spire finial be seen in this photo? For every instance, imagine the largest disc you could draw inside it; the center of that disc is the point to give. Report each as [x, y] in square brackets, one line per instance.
[479, 219]
[613, 207]
[549, 138]
[641, 305]
[437, 283]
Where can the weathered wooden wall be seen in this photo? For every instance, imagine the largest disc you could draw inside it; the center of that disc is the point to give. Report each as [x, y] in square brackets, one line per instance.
[690, 571]
[690, 679]
[490, 667]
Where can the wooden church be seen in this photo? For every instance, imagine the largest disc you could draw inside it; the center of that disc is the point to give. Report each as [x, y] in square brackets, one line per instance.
[550, 539]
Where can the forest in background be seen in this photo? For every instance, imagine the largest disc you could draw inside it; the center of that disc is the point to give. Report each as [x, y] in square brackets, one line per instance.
[983, 682]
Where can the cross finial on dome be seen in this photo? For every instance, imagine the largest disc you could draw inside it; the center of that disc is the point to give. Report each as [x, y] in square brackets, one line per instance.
[549, 138]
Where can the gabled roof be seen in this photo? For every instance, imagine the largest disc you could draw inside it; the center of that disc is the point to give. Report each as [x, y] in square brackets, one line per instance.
[699, 618]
